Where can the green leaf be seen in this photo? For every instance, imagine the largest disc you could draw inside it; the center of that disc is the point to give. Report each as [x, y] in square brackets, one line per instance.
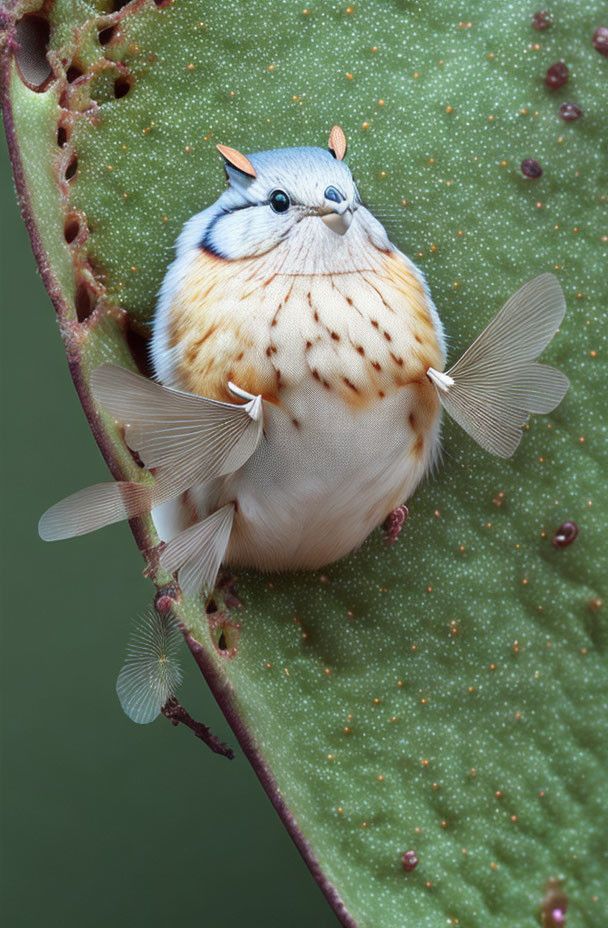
[445, 695]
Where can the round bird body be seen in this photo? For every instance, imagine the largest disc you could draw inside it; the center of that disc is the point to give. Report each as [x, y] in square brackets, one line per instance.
[300, 363]
[334, 328]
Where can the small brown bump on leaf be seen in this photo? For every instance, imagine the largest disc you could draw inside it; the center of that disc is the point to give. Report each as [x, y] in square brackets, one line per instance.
[542, 20]
[600, 40]
[556, 75]
[565, 535]
[165, 599]
[554, 905]
[570, 112]
[531, 168]
[32, 33]
[409, 861]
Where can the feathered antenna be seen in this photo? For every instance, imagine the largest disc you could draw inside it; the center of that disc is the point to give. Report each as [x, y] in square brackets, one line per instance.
[337, 143]
[237, 160]
[151, 673]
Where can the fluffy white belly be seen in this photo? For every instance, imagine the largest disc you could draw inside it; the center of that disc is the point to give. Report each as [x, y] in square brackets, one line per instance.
[311, 493]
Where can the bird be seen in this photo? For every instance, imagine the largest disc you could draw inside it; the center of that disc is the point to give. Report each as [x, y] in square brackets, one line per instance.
[299, 378]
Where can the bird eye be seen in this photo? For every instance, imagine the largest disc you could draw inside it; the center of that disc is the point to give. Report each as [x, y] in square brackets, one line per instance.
[332, 194]
[279, 201]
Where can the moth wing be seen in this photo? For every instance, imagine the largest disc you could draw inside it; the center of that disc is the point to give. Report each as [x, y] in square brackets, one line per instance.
[197, 553]
[496, 384]
[197, 437]
[93, 508]
[520, 331]
[151, 672]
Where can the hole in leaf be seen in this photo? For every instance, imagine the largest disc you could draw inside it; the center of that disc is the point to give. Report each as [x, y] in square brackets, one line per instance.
[73, 73]
[138, 340]
[71, 168]
[62, 136]
[122, 86]
[163, 2]
[225, 633]
[211, 606]
[33, 34]
[106, 35]
[71, 229]
[118, 4]
[84, 301]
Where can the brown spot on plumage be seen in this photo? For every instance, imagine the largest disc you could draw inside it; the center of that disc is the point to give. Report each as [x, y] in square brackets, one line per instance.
[208, 334]
[412, 420]
[274, 318]
[215, 332]
[296, 423]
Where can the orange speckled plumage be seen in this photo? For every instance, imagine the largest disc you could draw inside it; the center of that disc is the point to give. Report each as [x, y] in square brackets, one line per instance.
[362, 335]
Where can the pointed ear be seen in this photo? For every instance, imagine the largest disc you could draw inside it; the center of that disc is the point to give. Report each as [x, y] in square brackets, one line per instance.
[337, 143]
[237, 160]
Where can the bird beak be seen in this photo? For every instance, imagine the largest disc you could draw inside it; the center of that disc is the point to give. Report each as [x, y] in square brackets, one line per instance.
[338, 222]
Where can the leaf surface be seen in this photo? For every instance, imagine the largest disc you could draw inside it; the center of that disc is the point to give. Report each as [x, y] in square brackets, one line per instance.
[447, 694]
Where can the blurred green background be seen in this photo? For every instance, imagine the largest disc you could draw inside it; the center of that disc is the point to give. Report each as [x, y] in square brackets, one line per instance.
[103, 821]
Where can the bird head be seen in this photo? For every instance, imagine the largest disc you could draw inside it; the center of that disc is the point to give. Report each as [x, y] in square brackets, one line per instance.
[295, 194]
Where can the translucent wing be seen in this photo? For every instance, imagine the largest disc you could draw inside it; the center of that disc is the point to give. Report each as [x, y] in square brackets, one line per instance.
[151, 672]
[93, 508]
[188, 439]
[199, 437]
[496, 384]
[196, 554]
